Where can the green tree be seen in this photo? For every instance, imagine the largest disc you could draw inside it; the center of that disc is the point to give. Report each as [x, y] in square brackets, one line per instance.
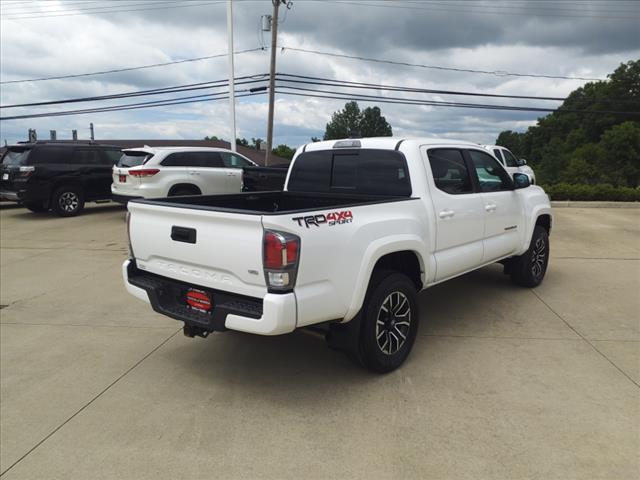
[573, 144]
[352, 121]
[242, 141]
[512, 141]
[373, 124]
[284, 151]
[212, 138]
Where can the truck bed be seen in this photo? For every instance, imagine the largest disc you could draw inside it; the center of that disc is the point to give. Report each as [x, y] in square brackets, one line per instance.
[271, 203]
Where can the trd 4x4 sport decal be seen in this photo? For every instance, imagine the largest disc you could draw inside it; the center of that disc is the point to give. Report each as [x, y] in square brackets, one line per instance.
[331, 219]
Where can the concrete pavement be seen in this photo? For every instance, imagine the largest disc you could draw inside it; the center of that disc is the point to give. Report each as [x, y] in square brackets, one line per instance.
[503, 382]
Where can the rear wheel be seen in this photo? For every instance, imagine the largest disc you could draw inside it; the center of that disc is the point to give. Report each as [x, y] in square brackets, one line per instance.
[67, 201]
[528, 269]
[181, 191]
[389, 322]
[36, 207]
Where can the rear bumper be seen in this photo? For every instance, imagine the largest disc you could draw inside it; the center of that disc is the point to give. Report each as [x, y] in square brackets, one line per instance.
[11, 196]
[123, 199]
[275, 314]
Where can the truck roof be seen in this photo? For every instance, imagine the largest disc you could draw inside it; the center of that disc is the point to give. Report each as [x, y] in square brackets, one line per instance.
[384, 143]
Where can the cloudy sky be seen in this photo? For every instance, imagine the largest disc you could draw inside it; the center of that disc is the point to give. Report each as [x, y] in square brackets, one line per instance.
[567, 38]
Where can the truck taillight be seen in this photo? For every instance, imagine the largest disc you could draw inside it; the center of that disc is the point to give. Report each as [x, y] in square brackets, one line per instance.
[129, 235]
[281, 252]
[144, 172]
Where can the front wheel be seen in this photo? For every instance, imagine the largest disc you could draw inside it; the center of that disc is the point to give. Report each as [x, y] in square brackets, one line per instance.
[528, 269]
[389, 323]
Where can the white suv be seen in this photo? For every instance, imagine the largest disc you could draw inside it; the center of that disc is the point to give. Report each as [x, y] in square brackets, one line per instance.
[151, 172]
[510, 162]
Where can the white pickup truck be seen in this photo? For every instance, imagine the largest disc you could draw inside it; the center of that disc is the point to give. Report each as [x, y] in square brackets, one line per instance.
[361, 227]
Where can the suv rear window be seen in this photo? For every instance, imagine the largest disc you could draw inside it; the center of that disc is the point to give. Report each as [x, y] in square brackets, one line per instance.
[366, 171]
[16, 157]
[133, 159]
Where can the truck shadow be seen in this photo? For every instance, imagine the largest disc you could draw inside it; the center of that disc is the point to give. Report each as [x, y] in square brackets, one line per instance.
[90, 210]
[303, 359]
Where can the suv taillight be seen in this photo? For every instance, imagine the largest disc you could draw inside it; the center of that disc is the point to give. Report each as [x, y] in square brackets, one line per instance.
[144, 172]
[280, 256]
[26, 172]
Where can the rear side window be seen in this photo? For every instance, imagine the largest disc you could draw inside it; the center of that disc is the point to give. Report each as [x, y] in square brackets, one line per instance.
[449, 170]
[133, 159]
[51, 154]
[365, 171]
[206, 159]
[179, 159]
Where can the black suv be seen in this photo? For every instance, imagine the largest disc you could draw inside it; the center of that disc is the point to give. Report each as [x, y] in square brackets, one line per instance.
[57, 175]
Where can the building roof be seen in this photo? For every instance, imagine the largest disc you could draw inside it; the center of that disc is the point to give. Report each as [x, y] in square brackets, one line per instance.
[256, 155]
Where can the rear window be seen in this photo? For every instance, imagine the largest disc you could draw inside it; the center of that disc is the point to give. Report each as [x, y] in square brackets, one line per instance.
[16, 157]
[133, 159]
[366, 171]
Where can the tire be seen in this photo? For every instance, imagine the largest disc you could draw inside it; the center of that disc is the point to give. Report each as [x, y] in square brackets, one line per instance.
[36, 207]
[181, 191]
[389, 322]
[67, 201]
[528, 269]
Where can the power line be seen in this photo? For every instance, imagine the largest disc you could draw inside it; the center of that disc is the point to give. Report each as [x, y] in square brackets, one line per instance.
[485, 10]
[69, 7]
[373, 86]
[249, 79]
[136, 106]
[371, 98]
[498, 73]
[112, 11]
[128, 69]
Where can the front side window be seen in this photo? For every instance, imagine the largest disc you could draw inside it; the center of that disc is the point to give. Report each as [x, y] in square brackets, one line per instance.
[492, 177]
[510, 159]
[498, 154]
[449, 171]
[234, 161]
[112, 156]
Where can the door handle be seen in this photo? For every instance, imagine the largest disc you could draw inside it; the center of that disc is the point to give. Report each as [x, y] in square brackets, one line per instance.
[446, 214]
[490, 207]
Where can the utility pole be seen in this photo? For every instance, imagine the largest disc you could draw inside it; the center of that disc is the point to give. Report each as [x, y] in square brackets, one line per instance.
[272, 78]
[232, 96]
[92, 133]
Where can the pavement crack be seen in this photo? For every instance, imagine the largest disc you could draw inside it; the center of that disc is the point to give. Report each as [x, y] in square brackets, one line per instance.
[585, 339]
[55, 430]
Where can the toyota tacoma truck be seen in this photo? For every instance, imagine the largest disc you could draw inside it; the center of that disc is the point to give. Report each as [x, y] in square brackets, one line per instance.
[361, 226]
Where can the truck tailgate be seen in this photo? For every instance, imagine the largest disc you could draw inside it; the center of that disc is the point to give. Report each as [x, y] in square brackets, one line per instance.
[218, 250]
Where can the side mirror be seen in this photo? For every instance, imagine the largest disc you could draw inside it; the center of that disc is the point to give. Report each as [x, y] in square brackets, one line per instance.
[521, 180]
[521, 162]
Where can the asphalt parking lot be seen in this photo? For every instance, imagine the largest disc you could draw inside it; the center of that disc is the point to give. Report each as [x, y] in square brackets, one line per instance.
[503, 382]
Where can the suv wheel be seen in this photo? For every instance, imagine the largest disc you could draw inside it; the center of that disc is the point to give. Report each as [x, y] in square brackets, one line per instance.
[68, 201]
[389, 322]
[36, 207]
[528, 269]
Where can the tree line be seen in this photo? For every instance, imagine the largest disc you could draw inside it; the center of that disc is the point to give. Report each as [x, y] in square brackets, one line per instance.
[586, 147]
